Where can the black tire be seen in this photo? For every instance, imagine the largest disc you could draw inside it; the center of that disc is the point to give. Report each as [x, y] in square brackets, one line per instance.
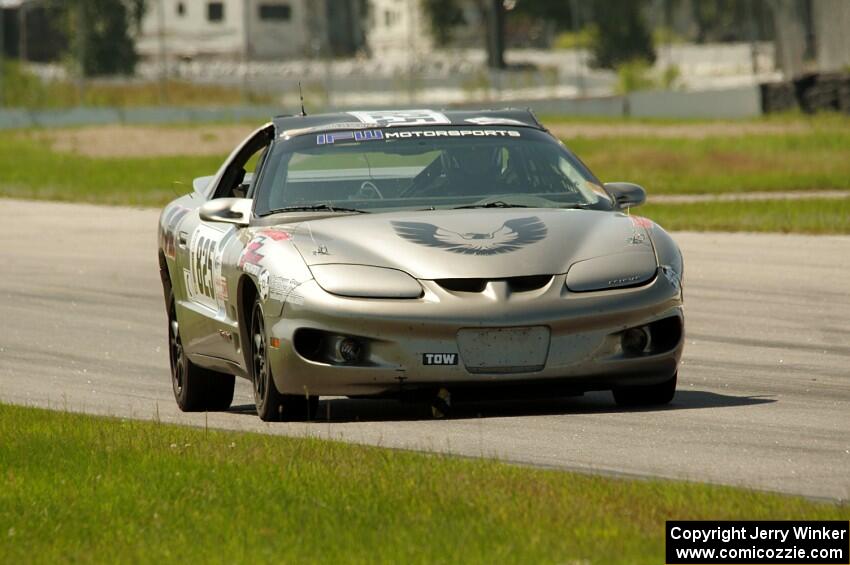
[272, 406]
[195, 389]
[650, 395]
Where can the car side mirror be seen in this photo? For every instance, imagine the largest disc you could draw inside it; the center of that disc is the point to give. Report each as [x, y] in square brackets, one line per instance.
[236, 211]
[626, 194]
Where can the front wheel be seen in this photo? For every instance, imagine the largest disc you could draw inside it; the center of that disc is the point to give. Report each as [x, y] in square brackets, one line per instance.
[272, 406]
[648, 395]
[195, 389]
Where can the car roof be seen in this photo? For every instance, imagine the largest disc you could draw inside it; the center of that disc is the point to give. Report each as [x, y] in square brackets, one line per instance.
[420, 118]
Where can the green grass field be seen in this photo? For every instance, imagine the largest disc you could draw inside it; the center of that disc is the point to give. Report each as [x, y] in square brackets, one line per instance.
[77, 488]
[813, 154]
[37, 172]
[23, 89]
[823, 216]
[718, 165]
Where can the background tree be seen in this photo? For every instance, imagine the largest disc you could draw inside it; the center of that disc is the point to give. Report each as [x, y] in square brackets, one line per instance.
[101, 43]
[444, 16]
[558, 12]
[623, 34]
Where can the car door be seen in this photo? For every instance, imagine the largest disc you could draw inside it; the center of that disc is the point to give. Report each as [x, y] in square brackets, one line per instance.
[207, 316]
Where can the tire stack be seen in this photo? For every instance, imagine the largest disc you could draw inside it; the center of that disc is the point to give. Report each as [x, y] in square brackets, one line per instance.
[812, 93]
[820, 93]
[777, 97]
[844, 95]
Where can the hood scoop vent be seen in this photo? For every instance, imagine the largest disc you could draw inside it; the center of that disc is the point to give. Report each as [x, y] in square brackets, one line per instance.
[515, 284]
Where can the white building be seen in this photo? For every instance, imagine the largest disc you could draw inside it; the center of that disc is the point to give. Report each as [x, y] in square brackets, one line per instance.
[397, 27]
[255, 29]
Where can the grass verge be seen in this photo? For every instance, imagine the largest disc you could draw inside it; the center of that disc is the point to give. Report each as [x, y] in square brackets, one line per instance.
[816, 216]
[34, 171]
[80, 488]
[819, 160]
[25, 90]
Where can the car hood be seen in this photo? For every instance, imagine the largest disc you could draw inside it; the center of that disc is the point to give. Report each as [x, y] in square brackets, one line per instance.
[474, 243]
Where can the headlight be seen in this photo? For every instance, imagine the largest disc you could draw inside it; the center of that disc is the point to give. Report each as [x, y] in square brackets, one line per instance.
[612, 271]
[361, 281]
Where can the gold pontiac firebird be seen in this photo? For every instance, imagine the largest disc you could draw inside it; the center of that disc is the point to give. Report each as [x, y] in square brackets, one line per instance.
[415, 254]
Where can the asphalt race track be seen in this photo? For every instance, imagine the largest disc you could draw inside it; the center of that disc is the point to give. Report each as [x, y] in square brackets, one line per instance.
[764, 391]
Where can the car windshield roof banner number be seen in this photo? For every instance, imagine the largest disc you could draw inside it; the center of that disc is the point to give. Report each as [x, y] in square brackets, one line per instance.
[402, 117]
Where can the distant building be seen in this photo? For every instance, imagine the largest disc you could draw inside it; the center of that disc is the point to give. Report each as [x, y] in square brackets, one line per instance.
[398, 26]
[253, 29]
[403, 26]
[831, 22]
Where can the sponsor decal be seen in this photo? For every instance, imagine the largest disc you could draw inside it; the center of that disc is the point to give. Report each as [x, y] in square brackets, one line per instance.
[251, 257]
[641, 222]
[494, 121]
[401, 117]
[512, 235]
[221, 288]
[327, 127]
[271, 287]
[365, 135]
[439, 358]
[169, 225]
[249, 260]
[276, 235]
[280, 288]
[263, 281]
[408, 134]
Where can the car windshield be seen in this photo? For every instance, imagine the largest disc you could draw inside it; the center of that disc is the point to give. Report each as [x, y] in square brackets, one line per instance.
[403, 168]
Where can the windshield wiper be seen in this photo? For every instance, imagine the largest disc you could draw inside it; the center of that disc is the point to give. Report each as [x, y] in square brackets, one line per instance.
[495, 204]
[314, 207]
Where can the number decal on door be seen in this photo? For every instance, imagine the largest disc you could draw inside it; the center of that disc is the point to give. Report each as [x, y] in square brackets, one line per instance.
[204, 267]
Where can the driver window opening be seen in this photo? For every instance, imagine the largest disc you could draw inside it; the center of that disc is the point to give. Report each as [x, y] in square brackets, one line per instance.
[238, 179]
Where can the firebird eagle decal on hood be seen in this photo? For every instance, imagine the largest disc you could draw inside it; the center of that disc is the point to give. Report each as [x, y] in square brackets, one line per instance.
[513, 235]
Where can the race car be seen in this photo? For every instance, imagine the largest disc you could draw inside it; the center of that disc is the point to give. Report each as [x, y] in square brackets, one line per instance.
[420, 255]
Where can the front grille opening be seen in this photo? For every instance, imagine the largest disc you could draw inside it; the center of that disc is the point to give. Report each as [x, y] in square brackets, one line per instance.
[309, 343]
[666, 334]
[463, 285]
[527, 284]
[516, 284]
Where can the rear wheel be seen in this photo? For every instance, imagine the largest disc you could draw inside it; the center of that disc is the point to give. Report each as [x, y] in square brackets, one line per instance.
[195, 389]
[651, 395]
[272, 406]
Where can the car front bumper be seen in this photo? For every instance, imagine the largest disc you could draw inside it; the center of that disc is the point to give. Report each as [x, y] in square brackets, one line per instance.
[583, 346]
